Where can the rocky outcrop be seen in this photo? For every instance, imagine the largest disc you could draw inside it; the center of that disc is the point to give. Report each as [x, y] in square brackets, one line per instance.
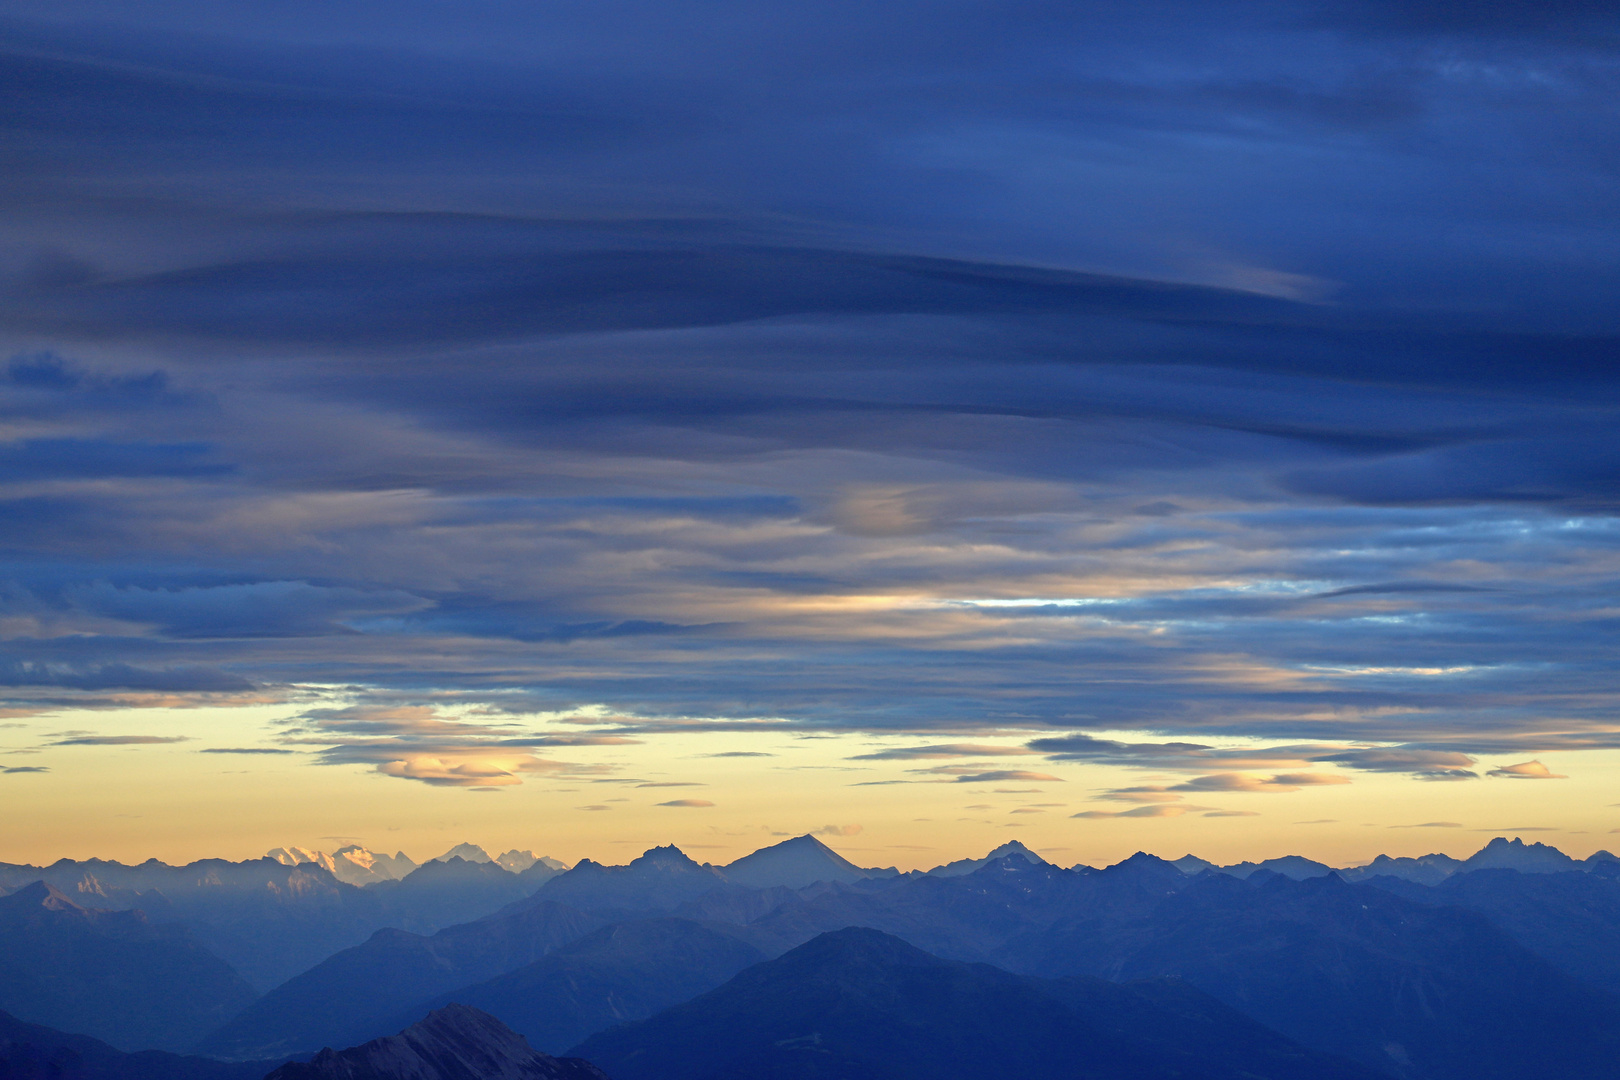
[454, 1043]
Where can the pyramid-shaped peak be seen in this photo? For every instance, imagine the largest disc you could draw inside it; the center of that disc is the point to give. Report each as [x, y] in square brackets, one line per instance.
[42, 894]
[1014, 847]
[793, 863]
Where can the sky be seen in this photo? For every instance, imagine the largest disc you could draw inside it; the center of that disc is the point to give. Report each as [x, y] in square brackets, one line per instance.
[583, 426]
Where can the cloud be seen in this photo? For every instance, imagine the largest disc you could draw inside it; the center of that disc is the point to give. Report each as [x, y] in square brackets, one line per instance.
[1424, 764]
[244, 750]
[420, 743]
[1146, 793]
[1239, 782]
[672, 783]
[1526, 770]
[687, 802]
[691, 434]
[120, 740]
[1138, 812]
[1231, 813]
[945, 750]
[1431, 825]
[26, 769]
[838, 830]
[1003, 775]
[262, 609]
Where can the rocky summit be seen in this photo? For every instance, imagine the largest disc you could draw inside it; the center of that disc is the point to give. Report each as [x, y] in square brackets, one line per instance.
[452, 1043]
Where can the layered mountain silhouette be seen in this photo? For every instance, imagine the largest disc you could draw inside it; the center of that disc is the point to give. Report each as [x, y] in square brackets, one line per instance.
[110, 974]
[1414, 990]
[1501, 966]
[627, 971]
[659, 880]
[453, 1043]
[858, 1004]
[270, 919]
[359, 993]
[1571, 919]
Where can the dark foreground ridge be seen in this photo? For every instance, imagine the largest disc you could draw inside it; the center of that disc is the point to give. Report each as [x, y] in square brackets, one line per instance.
[34, 1052]
[857, 1004]
[454, 1043]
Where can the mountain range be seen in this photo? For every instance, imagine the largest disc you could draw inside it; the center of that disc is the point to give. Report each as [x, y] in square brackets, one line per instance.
[1472, 970]
[110, 974]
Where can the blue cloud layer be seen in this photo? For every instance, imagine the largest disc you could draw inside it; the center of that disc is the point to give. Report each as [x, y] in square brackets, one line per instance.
[961, 367]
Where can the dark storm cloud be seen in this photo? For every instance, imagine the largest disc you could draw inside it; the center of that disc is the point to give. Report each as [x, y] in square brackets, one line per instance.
[952, 370]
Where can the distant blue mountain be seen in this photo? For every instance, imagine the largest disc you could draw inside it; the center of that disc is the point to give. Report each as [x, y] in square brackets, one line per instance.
[110, 974]
[857, 1004]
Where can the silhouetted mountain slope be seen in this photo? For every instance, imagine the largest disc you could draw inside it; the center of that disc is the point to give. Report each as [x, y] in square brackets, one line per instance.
[658, 881]
[736, 904]
[627, 971]
[1289, 866]
[962, 917]
[1430, 992]
[857, 1004]
[448, 891]
[982, 915]
[267, 920]
[358, 993]
[110, 974]
[32, 1052]
[794, 863]
[1571, 919]
[454, 1043]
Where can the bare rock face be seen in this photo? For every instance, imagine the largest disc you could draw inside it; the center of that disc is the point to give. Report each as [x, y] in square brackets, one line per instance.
[454, 1043]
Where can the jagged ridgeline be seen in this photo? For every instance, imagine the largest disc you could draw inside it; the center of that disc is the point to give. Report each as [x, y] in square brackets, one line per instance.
[797, 962]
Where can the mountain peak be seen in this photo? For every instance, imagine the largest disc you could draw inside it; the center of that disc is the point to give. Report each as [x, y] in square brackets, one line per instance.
[666, 855]
[1015, 847]
[1502, 853]
[453, 1043]
[467, 851]
[41, 894]
[967, 866]
[794, 863]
